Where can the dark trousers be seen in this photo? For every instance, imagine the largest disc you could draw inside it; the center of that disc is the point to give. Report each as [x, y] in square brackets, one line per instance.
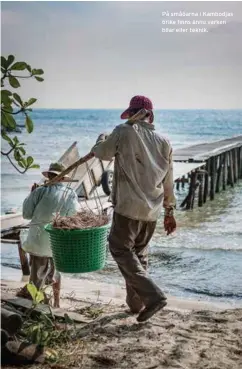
[128, 243]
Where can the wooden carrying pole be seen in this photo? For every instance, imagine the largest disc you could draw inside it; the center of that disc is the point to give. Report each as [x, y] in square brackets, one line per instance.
[139, 115]
[80, 161]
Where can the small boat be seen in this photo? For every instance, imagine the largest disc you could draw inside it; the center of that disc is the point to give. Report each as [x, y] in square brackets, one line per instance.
[89, 176]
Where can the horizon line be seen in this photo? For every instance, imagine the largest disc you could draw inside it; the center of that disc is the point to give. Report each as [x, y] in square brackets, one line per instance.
[126, 108]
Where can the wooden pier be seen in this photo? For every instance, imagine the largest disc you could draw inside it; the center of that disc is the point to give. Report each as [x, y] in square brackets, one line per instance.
[220, 166]
[206, 169]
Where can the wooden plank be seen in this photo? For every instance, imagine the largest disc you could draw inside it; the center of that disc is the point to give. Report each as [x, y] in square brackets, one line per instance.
[200, 190]
[4, 240]
[206, 181]
[19, 302]
[212, 178]
[231, 170]
[225, 170]
[189, 200]
[10, 321]
[236, 171]
[219, 172]
[240, 162]
[205, 150]
[12, 220]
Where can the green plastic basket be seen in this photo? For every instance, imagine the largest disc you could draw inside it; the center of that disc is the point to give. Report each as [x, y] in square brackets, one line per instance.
[78, 251]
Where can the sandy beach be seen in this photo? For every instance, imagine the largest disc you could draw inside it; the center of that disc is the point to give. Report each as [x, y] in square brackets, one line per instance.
[187, 334]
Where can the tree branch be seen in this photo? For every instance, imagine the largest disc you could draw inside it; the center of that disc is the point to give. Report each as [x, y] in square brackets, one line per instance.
[21, 172]
[13, 113]
[9, 152]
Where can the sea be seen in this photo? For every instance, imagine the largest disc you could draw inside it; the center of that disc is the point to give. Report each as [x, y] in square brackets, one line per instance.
[203, 259]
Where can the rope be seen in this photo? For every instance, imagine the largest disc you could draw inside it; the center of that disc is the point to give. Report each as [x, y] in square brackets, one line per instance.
[66, 190]
[96, 196]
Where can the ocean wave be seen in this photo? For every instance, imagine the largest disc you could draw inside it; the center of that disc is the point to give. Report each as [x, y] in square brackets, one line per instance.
[10, 265]
[229, 295]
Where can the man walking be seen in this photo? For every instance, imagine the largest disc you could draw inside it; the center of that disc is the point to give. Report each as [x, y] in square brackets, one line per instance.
[143, 182]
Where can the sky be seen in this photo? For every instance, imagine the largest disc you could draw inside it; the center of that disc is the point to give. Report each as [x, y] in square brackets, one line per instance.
[100, 54]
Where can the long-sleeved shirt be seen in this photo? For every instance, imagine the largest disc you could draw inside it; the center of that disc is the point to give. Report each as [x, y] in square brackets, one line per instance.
[143, 170]
[41, 206]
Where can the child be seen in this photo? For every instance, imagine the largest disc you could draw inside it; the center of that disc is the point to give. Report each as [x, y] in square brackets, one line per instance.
[41, 206]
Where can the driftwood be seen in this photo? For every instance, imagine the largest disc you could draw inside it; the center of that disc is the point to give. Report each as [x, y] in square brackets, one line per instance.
[10, 321]
[26, 304]
[4, 337]
[21, 353]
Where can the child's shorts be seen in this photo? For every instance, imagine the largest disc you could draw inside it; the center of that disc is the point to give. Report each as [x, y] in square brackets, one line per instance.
[42, 271]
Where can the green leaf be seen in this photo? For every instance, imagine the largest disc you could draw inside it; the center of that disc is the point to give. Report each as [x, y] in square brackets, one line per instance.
[16, 155]
[21, 149]
[5, 98]
[39, 79]
[34, 166]
[29, 124]
[32, 289]
[13, 82]
[30, 102]
[4, 62]
[8, 118]
[6, 101]
[20, 163]
[6, 138]
[19, 66]
[40, 296]
[15, 140]
[18, 99]
[10, 60]
[35, 334]
[30, 161]
[45, 337]
[7, 107]
[37, 71]
[6, 92]
[28, 67]
[4, 122]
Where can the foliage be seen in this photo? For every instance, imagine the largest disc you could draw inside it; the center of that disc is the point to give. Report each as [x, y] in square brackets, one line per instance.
[12, 106]
[37, 295]
[43, 329]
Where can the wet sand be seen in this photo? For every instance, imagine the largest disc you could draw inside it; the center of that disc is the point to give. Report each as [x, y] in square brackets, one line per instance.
[187, 334]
